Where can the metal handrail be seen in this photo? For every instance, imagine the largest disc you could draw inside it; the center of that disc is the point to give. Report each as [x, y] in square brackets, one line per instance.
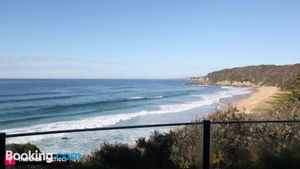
[145, 126]
[101, 129]
[255, 121]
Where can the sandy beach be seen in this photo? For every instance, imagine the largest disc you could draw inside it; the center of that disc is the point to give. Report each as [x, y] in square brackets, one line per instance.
[258, 101]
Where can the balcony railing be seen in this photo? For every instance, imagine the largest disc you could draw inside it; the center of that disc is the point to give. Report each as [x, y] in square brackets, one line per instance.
[206, 157]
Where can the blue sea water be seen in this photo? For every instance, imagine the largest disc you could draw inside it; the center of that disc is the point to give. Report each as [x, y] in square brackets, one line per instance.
[41, 105]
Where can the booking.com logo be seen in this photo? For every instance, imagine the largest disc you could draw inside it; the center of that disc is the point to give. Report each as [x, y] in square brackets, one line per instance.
[12, 158]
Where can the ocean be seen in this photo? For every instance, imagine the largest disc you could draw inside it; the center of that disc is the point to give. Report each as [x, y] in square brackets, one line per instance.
[42, 105]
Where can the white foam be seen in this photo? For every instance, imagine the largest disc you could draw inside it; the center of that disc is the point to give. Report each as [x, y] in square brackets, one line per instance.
[230, 92]
[226, 87]
[200, 85]
[150, 97]
[135, 98]
[108, 120]
[156, 97]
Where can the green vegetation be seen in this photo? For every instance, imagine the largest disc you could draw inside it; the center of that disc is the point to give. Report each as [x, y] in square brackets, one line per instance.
[269, 75]
[147, 154]
[257, 145]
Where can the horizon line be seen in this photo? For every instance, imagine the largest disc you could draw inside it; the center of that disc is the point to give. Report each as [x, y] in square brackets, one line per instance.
[93, 78]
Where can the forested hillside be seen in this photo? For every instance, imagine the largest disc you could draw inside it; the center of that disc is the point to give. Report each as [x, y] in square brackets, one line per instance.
[269, 75]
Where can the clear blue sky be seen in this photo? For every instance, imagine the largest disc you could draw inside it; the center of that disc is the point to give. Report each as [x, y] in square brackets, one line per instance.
[144, 38]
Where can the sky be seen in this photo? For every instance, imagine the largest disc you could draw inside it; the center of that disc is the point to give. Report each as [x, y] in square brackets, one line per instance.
[144, 39]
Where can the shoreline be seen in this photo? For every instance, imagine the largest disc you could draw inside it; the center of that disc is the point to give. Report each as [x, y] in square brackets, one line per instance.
[256, 102]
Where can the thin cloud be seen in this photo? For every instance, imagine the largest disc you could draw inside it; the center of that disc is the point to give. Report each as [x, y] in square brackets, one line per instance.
[57, 60]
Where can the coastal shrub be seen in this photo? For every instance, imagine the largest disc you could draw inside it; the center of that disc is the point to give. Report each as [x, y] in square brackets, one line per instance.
[152, 153]
[22, 148]
[187, 147]
[118, 156]
[257, 145]
[243, 146]
[157, 150]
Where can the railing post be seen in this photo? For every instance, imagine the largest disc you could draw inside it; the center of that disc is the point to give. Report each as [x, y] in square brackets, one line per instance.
[206, 144]
[2, 150]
